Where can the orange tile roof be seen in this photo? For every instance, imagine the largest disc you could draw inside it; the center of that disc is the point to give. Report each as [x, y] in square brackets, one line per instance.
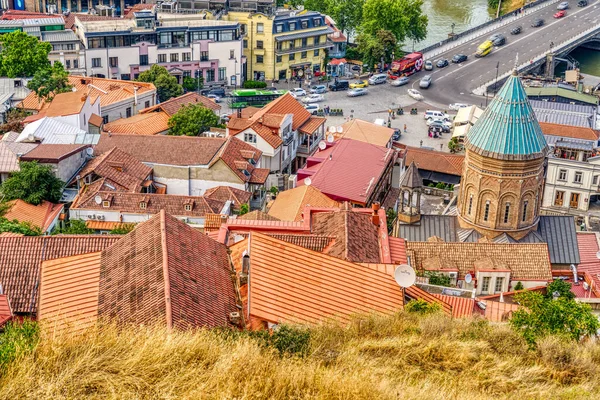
[398, 250]
[246, 112]
[225, 193]
[576, 132]
[140, 124]
[96, 120]
[272, 120]
[367, 132]
[235, 124]
[10, 234]
[289, 204]
[6, 312]
[103, 225]
[312, 124]
[270, 137]
[41, 215]
[66, 104]
[461, 306]
[499, 312]
[33, 103]
[590, 264]
[285, 104]
[436, 161]
[257, 215]
[233, 154]
[173, 105]
[69, 292]
[53, 153]
[289, 283]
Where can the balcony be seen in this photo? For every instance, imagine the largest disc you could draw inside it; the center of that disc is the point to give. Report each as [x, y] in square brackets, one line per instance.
[257, 201]
[304, 149]
[325, 45]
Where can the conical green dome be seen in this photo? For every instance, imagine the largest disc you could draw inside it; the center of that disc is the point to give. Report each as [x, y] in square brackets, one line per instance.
[508, 128]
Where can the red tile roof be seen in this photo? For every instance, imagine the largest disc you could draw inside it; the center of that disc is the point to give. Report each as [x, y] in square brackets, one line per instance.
[21, 257]
[589, 264]
[173, 105]
[285, 104]
[312, 124]
[398, 250]
[225, 193]
[461, 306]
[6, 312]
[290, 204]
[234, 155]
[140, 124]
[576, 132]
[53, 153]
[436, 161]
[42, 215]
[166, 270]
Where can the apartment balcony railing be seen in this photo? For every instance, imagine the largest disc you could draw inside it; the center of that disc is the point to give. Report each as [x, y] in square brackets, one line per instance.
[305, 150]
[324, 45]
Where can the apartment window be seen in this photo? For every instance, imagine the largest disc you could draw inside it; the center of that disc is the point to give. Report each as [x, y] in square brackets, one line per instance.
[245, 43]
[222, 74]
[506, 212]
[188, 207]
[525, 204]
[499, 284]
[595, 180]
[147, 104]
[259, 44]
[559, 198]
[162, 58]
[486, 213]
[292, 57]
[578, 177]
[204, 56]
[210, 75]
[317, 22]
[174, 57]
[304, 42]
[470, 205]
[304, 24]
[292, 26]
[485, 284]
[231, 54]
[143, 205]
[292, 44]
[260, 28]
[278, 59]
[125, 77]
[75, 63]
[113, 62]
[128, 112]
[278, 28]
[316, 53]
[186, 56]
[105, 119]
[259, 59]
[243, 29]
[249, 138]
[562, 175]
[96, 63]
[144, 59]
[68, 62]
[303, 54]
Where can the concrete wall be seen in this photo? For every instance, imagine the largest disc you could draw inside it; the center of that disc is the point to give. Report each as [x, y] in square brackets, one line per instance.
[66, 168]
[585, 189]
[119, 110]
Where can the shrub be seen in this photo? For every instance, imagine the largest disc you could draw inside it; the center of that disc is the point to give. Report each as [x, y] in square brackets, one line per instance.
[244, 208]
[439, 279]
[17, 340]
[440, 185]
[519, 286]
[254, 85]
[422, 307]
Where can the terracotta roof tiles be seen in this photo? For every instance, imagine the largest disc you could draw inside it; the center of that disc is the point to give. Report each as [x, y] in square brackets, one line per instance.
[575, 132]
[283, 105]
[6, 312]
[96, 120]
[66, 104]
[53, 153]
[173, 105]
[289, 204]
[367, 132]
[42, 215]
[461, 306]
[312, 124]
[398, 250]
[140, 124]
[590, 264]
[225, 193]
[436, 161]
[257, 215]
[232, 155]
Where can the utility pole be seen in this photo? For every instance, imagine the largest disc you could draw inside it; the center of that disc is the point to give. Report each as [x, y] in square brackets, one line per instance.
[495, 82]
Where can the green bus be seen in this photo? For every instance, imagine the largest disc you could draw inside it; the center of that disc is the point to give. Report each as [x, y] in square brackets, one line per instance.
[243, 98]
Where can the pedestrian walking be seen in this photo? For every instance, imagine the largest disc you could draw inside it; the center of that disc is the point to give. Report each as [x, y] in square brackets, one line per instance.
[404, 128]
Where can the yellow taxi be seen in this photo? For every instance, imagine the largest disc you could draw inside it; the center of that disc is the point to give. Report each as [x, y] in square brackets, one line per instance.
[359, 84]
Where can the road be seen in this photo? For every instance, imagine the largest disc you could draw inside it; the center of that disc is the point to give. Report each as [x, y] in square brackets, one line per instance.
[456, 82]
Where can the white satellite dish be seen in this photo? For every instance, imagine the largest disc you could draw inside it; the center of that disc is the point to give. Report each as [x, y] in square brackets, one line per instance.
[340, 129]
[307, 181]
[468, 278]
[332, 129]
[98, 199]
[405, 276]
[89, 151]
[330, 138]
[322, 145]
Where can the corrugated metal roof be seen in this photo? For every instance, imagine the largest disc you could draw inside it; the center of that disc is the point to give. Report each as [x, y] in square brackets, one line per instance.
[508, 128]
[52, 131]
[442, 226]
[555, 91]
[43, 21]
[59, 36]
[559, 232]
[564, 113]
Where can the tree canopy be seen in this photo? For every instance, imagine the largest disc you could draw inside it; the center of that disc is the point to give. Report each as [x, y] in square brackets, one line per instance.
[192, 120]
[48, 82]
[22, 55]
[33, 184]
[347, 14]
[373, 48]
[404, 18]
[166, 84]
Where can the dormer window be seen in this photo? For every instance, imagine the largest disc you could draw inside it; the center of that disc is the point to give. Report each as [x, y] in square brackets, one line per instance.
[251, 161]
[246, 173]
[106, 204]
[188, 207]
[143, 205]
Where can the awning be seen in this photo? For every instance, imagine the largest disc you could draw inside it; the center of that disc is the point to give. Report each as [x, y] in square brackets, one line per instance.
[300, 65]
[461, 130]
[303, 35]
[338, 61]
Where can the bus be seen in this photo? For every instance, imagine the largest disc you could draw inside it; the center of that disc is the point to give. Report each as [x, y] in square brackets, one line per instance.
[243, 98]
[484, 49]
[406, 66]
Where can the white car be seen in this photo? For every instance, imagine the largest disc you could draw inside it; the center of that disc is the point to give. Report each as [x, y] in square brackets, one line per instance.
[298, 92]
[214, 98]
[443, 122]
[457, 106]
[403, 80]
[312, 98]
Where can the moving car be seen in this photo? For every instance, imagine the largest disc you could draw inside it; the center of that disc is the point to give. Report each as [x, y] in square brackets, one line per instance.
[377, 79]
[582, 3]
[318, 89]
[516, 30]
[357, 92]
[313, 98]
[459, 58]
[457, 106]
[359, 84]
[428, 65]
[563, 6]
[484, 49]
[442, 63]
[403, 80]
[425, 82]
[498, 39]
[560, 14]
[214, 97]
[338, 85]
[537, 22]
[219, 91]
[415, 94]
[312, 108]
[298, 92]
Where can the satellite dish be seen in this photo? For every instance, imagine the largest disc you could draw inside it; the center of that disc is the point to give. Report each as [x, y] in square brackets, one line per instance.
[330, 138]
[89, 151]
[98, 199]
[468, 278]
[405, 276]
[307, 181]
[340, 129]
[332, 129]
[322, 145]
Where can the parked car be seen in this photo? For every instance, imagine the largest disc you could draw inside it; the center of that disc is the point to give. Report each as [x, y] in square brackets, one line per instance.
[516, 30]
[425, 82]
[312, 98]
[338, 85]
[428, 65]
[459, 58]
[214, 97]
[498, 39]
[377, 79]
[443, 122]
[443, 128]
[582, 3]
[225, 117]
[219, 91]
[537, 22]
[396, 135]
[359, 84]
[298, 92]
[355, 68]
[560, 14]
[457, 106]
[403, 80]
[357, 92]
[442, 63]
[563, 6]
[318, 89]
[312, 108]
[434, 114]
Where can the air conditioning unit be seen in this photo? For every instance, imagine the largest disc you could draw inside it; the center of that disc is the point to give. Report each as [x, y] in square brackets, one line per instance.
[453, 275]
[100, 217]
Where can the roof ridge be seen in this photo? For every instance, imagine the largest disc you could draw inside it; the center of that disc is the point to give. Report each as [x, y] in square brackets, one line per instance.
[165, 265]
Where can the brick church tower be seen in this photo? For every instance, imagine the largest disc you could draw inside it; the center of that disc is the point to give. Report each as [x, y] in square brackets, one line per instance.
[503, 174]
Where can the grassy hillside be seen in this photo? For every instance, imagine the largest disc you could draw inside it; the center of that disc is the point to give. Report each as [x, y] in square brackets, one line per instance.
[403, 356]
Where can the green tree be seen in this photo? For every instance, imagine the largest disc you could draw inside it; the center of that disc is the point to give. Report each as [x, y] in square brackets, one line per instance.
[390, 216]
[404, 18]
[74, 227]
[420, 306]
[439, 279]
[166, 84]
[192, 84]
[244, 209]
[519, 286]
[373, 48]
[33, 184]
[254, 84]
[192, 120]
[22, 55]
[541, 316]
[562, 288]
[24, 228]
[48, 82]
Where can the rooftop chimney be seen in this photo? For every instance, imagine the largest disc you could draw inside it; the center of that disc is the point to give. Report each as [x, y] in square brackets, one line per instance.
[376, 206]
[375, 218]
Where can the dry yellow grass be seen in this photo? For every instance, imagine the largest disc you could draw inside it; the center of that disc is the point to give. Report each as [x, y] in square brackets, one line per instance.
[374, 357]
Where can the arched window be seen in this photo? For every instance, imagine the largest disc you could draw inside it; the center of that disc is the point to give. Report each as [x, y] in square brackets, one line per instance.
[470, 204]
[486, 213]
[506, 212]
[525, 203]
